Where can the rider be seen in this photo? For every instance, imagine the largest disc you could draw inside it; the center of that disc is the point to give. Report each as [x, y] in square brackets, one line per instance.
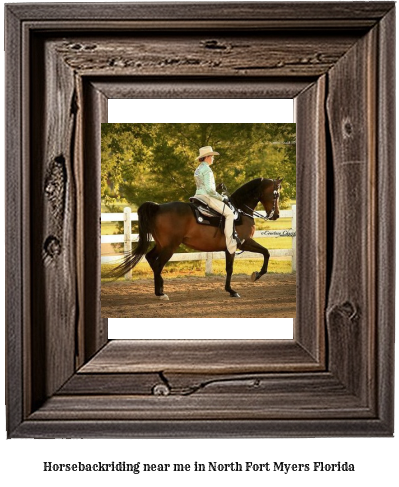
[206, 191]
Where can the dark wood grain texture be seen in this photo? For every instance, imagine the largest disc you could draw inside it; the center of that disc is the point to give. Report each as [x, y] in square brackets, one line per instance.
[181, 383]
[385, 218]
[311, 217]
[16, 252]
[278, 11]
[250, 428]
[53, 196]
[95, 329]
[134, 87]
[351, 109]
[335, 377]
[240, 54]
[201, 406]
[201, 356]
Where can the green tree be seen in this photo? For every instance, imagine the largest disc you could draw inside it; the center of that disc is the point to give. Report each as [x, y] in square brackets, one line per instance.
[156, 162]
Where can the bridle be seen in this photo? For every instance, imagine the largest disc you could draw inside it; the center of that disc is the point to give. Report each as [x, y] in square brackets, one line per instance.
[276, 196]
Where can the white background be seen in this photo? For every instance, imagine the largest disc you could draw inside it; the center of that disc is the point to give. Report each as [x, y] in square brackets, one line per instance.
[188, 111]
[375, 459]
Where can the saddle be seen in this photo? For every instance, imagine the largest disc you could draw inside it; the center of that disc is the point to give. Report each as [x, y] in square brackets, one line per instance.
[205, 215]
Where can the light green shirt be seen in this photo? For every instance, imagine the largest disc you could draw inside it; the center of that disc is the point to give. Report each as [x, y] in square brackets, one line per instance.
[205, 181]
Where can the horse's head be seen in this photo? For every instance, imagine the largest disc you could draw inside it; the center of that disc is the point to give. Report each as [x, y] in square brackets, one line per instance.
[270, 196]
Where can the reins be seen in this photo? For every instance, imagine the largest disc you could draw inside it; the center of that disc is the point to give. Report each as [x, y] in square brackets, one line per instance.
[259, 215]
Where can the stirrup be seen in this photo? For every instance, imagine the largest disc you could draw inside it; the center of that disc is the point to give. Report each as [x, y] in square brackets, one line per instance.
[237, 239]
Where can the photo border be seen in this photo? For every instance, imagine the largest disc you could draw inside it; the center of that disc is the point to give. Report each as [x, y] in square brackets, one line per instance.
[64, 379]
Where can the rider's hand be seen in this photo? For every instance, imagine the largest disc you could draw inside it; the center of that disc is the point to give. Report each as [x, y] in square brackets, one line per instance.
[221, 187]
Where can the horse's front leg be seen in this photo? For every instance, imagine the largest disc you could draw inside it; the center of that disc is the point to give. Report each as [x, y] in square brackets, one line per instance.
[251, 246]
[229, 273]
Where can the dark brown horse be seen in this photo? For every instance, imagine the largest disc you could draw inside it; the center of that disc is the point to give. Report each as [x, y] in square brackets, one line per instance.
[174, 223]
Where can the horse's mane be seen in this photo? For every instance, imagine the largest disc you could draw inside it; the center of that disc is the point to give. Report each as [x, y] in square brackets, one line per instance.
[246, 192]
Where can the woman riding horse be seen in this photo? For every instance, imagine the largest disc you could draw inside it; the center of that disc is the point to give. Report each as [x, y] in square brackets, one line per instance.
[172, 224]
[206, 192]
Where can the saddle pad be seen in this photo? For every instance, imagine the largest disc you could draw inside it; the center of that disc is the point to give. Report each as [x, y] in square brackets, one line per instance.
[213, 221]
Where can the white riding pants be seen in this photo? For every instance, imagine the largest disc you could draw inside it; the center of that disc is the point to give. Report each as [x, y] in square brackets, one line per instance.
[227, 212]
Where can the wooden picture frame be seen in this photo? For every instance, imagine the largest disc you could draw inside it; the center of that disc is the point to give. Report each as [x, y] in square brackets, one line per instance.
[335, 378]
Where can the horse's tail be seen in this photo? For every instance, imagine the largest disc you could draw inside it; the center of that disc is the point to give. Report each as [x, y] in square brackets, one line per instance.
[146, 214]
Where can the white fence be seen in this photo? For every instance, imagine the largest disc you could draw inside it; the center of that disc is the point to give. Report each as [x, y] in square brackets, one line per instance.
[127, 238]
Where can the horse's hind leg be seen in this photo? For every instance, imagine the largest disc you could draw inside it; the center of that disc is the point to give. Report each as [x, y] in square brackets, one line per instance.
[151, 257]
[157, 266]
[229, 272]
[251, 246]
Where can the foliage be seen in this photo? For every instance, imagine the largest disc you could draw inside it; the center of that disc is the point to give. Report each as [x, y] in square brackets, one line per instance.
[156, 162]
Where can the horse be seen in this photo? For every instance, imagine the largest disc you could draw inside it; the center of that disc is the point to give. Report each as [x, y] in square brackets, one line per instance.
[172, 224]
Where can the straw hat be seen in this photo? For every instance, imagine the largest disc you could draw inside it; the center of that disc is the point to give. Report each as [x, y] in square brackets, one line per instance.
[206, 151]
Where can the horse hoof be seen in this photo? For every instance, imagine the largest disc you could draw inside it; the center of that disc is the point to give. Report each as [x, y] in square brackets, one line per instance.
[254, 276]
[235, 295]
[164, 297]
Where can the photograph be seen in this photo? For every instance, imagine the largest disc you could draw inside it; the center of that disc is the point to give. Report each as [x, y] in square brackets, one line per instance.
[194, 214]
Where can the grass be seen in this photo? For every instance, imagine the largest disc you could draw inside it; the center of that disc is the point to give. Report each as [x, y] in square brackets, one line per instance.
[176, 270]
[280, 224]
[109, 228]
[268, 242]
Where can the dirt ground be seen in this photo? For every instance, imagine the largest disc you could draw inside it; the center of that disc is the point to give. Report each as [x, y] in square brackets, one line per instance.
[273, 296]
